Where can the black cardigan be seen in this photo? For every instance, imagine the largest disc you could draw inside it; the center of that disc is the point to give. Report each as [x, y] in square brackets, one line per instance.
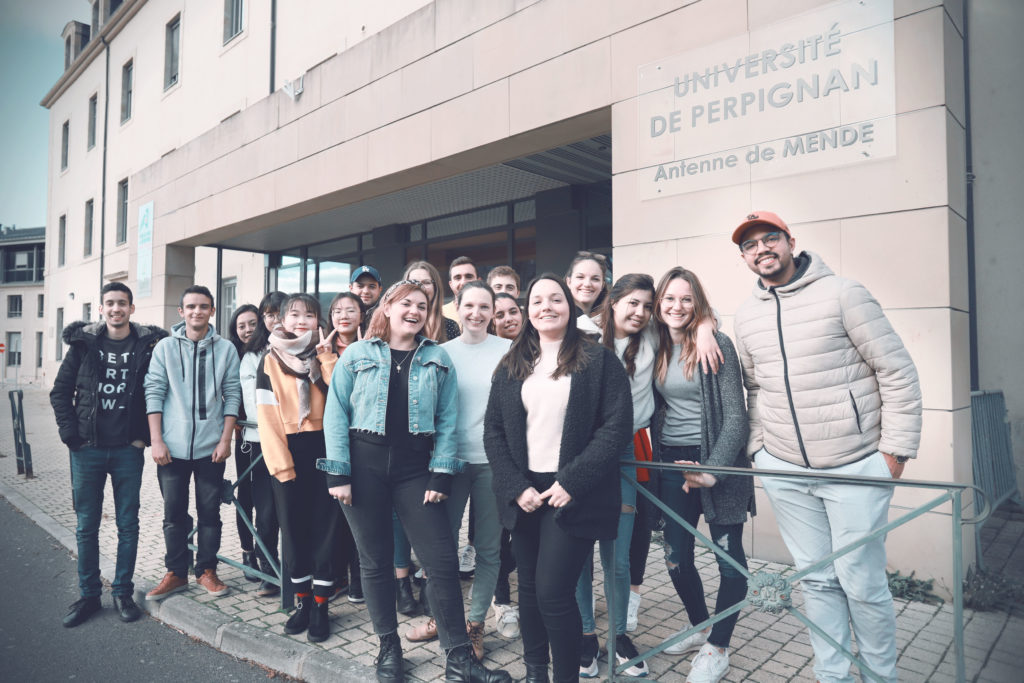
[598, 428]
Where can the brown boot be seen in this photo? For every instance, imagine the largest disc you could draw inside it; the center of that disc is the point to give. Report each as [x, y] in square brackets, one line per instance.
[476, 638]
[169, 585]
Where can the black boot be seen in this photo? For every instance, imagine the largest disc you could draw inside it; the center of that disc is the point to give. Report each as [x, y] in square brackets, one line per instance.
[463, 667]
[390, 668]
[537, 673]
[319, 623]
[299, 620]
[249, 560]
[81, 610]
[404, 600]
[424, 602]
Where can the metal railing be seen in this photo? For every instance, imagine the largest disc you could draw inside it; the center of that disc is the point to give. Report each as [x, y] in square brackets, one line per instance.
[992, 448]
[772, 593]
[22, 449]
[228, 498]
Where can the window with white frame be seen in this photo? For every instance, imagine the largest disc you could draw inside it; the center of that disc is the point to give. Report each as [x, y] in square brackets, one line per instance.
[122, 211]
[62, 236]
[14, 305]
[65, 134]
[127, 73]
[228, 295]
[93, 106]
[87, 231]
[172, 51]
[13, 349]
[233, 10]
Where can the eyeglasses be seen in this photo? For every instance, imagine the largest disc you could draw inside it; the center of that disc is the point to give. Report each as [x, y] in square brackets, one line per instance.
[271, 316]
[769, 241]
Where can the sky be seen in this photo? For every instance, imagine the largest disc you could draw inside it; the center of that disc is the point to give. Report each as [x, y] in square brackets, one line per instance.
[31, 61]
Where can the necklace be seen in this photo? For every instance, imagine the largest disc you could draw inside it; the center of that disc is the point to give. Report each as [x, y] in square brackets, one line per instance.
[398, 366]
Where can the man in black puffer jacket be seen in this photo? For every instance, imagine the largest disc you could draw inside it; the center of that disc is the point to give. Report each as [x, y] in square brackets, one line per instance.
[100, 406]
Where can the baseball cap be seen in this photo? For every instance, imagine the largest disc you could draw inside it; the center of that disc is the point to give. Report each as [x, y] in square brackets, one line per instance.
[366, 270]
[760, 218]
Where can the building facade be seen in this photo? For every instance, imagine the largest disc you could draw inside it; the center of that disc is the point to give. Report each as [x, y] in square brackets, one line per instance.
[23, 305]
[248, 145]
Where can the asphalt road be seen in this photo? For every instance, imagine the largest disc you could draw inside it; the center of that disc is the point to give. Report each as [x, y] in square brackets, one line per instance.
[38, 581]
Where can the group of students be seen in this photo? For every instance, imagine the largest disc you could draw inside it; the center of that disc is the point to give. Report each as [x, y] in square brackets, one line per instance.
[377, 429]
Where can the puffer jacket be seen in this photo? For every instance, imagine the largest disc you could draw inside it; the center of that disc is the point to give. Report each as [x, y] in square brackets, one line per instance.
[74, 395]
[828, 379]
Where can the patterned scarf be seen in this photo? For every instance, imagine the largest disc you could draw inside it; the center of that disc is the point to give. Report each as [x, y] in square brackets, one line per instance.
[297, 357]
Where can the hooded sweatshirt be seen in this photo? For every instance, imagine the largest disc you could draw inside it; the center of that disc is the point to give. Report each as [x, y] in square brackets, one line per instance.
[195, 385]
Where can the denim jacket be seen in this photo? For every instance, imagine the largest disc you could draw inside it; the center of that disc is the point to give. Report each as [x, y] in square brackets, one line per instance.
[358, 399]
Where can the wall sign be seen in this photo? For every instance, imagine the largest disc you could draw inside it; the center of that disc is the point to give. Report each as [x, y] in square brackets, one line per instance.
[144, 266]
[814, 91]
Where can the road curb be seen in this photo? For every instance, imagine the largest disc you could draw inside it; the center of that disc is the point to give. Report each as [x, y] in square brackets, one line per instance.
[216, 629]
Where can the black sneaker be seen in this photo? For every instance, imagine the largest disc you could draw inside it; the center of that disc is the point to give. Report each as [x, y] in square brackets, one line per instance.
[625, 651]
[80, 611]
[355, 592]
[588, 657]
[127, 610]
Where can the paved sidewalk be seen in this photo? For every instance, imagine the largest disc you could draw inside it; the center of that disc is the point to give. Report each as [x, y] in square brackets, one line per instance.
[765, 647]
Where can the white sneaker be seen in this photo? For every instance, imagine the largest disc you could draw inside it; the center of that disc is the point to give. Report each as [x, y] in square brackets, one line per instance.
[709, 665]
[467, 560]
[506, 620]
[625, 651]
[691, 643]
[632, 612]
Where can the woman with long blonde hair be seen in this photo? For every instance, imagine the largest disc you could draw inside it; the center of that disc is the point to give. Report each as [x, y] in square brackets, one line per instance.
[438, 327]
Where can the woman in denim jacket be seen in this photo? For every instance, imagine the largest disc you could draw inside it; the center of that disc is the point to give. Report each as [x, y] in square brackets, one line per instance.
[390, 427]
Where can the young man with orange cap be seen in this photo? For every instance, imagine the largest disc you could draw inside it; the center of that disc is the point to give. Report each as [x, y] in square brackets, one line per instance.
[830, 389]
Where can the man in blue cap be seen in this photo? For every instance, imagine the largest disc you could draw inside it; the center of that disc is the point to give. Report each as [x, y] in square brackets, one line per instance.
[367, 285]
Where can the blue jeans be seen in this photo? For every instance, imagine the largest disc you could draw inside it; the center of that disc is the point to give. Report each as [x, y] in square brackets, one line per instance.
[89, 470]
[475, 482]
[403, 549]
[619, 575]
[816, 518]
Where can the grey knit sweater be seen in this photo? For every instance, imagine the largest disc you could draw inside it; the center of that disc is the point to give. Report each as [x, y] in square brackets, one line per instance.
[723, 438]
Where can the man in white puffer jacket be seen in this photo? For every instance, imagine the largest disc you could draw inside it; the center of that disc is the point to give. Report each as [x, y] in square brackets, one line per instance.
[830, 387]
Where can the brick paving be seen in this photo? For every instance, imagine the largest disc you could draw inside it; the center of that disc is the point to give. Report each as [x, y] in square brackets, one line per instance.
[765, 647]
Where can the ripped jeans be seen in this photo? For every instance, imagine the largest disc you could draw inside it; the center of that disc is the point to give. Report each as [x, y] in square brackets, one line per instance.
[733, 586]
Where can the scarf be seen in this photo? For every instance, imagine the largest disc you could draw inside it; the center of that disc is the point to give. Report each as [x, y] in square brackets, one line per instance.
[297, 357]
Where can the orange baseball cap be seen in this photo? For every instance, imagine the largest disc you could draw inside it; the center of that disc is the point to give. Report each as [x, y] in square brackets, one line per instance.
[760, 218]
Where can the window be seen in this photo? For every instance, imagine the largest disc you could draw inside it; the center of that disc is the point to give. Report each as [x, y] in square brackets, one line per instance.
[86, 312]
[67, 52]
[40, 312]
[13, 349]
[14, 305]
[93, 103]
[62, 234]
[18, 265]
[60, 334]
[65, 133]
[95, 25]
[87, 232]
[122, 211]
[228, 294]
[232, 18]
[172, 47]
[126, 91]
[39, 349]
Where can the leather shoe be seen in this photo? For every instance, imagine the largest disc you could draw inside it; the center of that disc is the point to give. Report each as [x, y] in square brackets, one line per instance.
[390, 667]
[405, 603]
[80, 611]
[463, 667]
[127, 610]
[423, 632]
[537, 673]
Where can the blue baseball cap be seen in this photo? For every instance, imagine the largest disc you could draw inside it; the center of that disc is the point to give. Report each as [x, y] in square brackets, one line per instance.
[366, 270]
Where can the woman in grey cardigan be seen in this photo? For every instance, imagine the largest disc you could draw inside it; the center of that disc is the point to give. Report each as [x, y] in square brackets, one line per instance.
[700, 418]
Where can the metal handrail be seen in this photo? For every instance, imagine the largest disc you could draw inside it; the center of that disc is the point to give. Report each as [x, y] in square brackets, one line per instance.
[228, 498]
[770, 592]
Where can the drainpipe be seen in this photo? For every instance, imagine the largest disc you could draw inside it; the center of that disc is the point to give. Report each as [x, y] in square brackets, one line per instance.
[103, 179]
[972, 285]
[273, 42]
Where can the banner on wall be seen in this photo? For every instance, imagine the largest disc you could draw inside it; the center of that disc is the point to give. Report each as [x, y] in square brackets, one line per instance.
[144, 266]
[814, 91]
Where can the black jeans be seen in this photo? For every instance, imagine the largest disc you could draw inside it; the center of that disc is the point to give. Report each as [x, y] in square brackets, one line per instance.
[243, 492]
[640, 543]
[502, 592]
[550, 562]
[384, 478]
[174, 481]
[308, 515]
[729, 537]
[267, 527]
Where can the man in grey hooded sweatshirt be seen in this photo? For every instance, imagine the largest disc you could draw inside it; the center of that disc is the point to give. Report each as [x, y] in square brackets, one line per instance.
[192, 399]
